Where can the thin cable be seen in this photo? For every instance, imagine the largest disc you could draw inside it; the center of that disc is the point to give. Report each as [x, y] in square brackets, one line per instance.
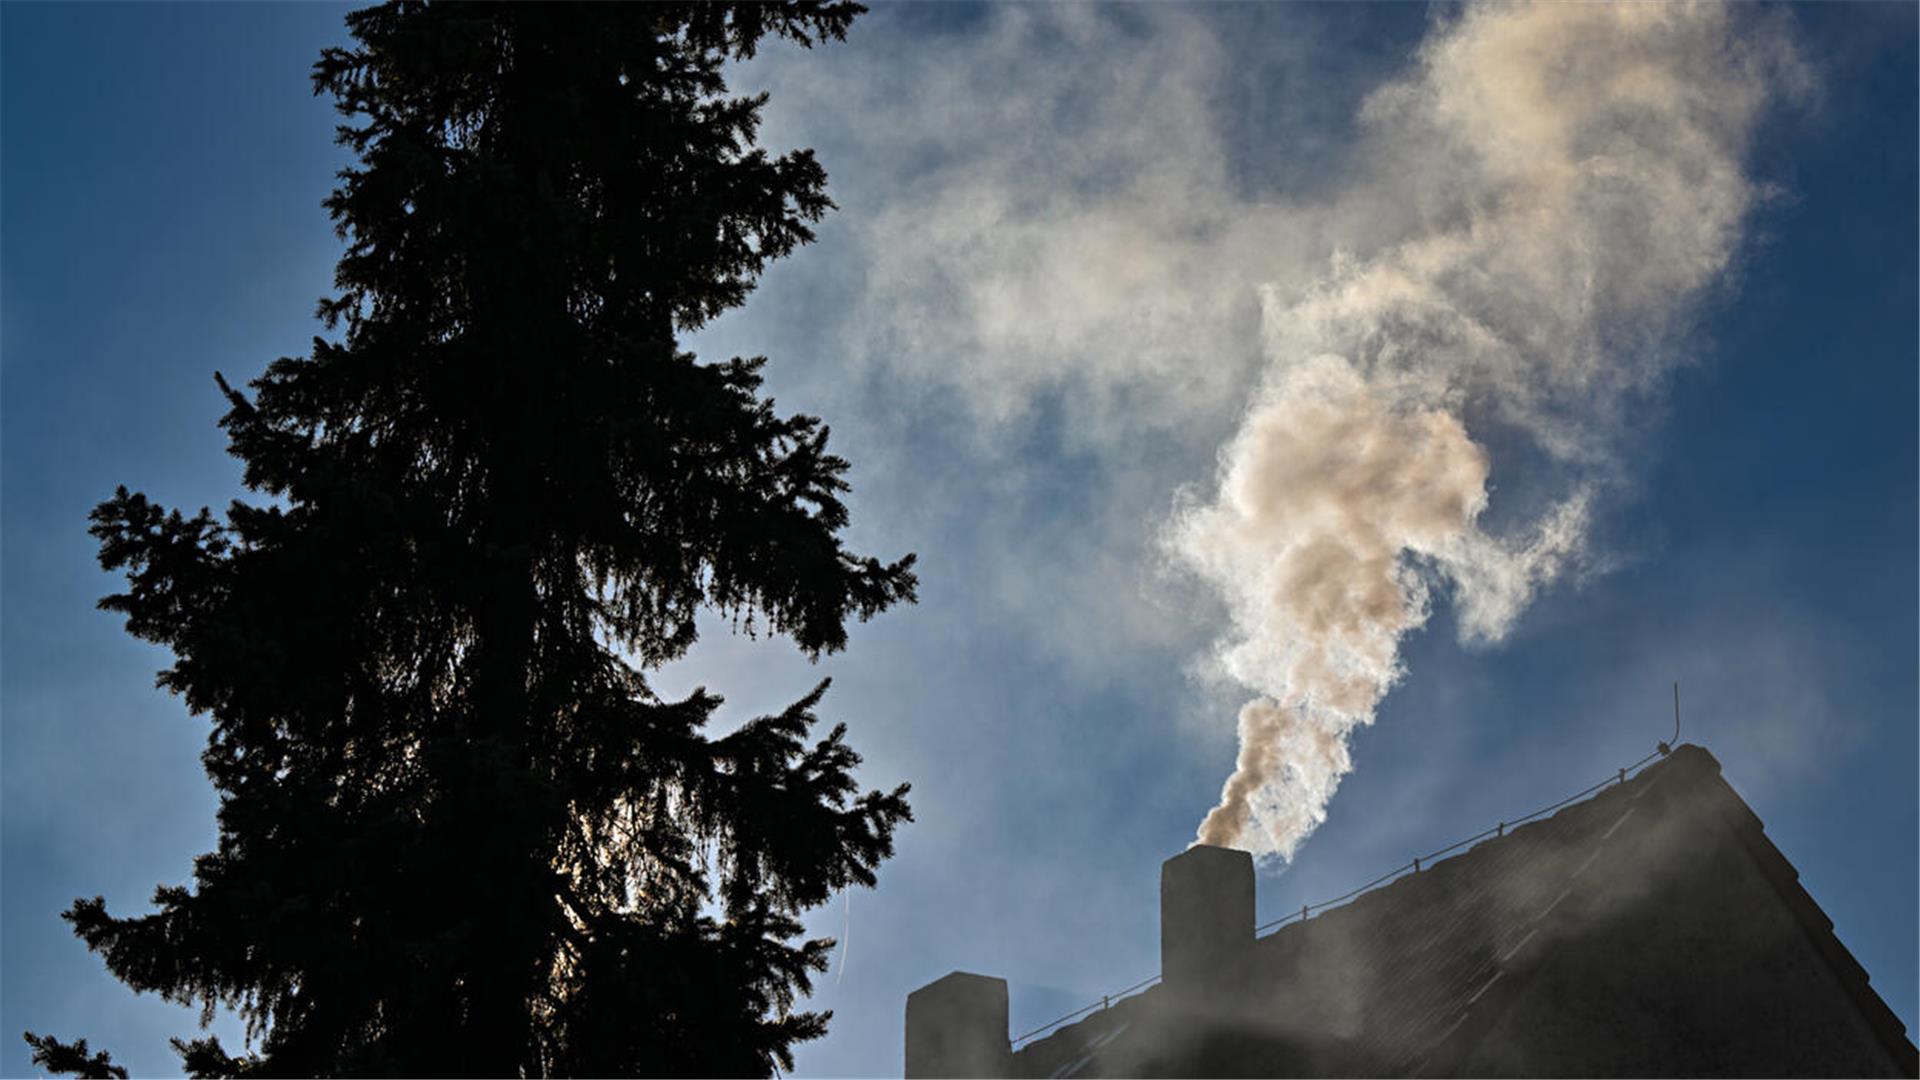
[846, 936]
[1105, 1000]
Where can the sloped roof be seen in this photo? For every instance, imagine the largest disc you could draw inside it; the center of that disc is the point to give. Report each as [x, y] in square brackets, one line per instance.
[1409, 979]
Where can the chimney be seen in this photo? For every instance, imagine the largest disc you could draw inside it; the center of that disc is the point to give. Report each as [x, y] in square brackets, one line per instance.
[957, 1026]
[1206, 920]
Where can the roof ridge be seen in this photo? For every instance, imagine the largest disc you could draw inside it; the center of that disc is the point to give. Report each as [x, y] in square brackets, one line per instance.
[1730, 811]
[1436, 969]
[1526, 829]
[1525, 833]
[1781, 875]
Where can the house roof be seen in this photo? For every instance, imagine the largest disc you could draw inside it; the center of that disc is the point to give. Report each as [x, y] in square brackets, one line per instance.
[1410, 978]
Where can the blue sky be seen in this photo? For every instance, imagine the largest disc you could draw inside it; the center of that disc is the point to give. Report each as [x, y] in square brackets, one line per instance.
[1034, 323]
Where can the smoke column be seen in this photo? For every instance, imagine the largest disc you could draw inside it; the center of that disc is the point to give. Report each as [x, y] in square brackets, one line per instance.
[1578, 170]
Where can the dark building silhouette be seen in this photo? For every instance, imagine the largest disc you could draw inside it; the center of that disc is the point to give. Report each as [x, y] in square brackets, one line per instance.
[1652, 930]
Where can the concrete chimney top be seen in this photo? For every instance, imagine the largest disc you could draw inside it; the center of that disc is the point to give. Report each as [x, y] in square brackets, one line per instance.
[1206, 919]
[957, 1026]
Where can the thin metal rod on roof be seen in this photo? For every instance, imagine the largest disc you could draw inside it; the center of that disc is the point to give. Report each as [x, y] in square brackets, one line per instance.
[1667, 747]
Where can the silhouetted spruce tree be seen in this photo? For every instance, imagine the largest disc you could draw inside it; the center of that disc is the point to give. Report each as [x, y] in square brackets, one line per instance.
[459, 835]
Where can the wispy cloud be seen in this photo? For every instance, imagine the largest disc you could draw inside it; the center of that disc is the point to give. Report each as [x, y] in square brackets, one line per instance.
[1510, 262]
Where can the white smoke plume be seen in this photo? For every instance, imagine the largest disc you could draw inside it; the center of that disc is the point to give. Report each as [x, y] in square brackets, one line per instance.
[1579, 168]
